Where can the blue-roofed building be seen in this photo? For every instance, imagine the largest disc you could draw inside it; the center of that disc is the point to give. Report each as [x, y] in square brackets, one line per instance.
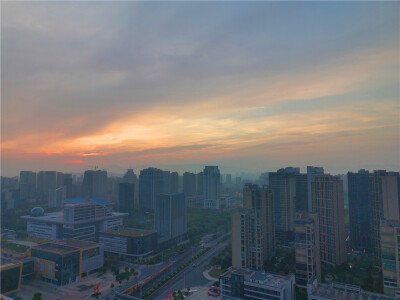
[79, 219]
[84, 200]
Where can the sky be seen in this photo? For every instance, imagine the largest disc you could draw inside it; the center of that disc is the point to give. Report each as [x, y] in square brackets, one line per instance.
[248, 86]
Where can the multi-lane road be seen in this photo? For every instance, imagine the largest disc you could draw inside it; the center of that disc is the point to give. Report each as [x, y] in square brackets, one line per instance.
[189, 277]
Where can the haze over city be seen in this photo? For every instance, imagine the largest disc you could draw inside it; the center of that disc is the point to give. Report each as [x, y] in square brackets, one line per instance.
[250, 87]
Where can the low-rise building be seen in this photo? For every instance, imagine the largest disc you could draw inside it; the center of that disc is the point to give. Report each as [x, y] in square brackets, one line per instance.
[66, 261]
[334, 291]
[10, 274]
[256, 285]
[81, 221]
[129, 242]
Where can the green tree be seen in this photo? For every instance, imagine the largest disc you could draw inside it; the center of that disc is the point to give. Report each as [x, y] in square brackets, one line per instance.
[37, 296]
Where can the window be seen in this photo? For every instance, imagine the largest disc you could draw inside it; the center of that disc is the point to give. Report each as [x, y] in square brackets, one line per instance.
[50, 269]
[42, 266]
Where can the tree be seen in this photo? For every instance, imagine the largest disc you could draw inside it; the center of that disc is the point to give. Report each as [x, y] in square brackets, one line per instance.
[37, 296]
[112, 285]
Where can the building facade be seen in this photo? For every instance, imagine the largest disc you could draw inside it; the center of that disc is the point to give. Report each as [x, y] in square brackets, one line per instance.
[311, 173]
[126, 198]
[95, 184]
[151, 184]
[255, 285]
[253, 239]
[211, 187]
[170, 218]
[328, 203]
[307, 247]
[81, 221]
[189, 184]
[360, 210]
[129, 242]
[283, 186]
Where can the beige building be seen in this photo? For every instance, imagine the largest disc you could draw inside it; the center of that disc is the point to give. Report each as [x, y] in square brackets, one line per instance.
[306, 233]
[328, 203]
[253, 229]
[390, 246]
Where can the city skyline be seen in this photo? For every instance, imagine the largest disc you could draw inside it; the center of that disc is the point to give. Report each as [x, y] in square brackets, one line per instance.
[249, 87]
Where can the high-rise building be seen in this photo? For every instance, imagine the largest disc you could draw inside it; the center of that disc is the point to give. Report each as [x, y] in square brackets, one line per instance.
[311, 172]
[307, 246]
[253, 239]
[131, 177]
[228, 179]
[170, 218]
[174, 183]
[60, 179]
[189, 184]
[46, 181]
[384, 195]
[211, 187]
[360, 210]
[328, 203]
[27, 185]
[283, 186]
[126, 198]
[390, 247]
[199, 183]
[301, 192]
[68, 185]
[151, 184]
[57, 197]
[95, 184]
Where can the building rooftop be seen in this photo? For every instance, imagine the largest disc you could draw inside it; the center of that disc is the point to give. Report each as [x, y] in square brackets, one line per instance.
[342, 291]
[56, 248]
[5, 261]
[58, 217]
[84, 245]
[83, 200]
[261, 277]
[131, 232]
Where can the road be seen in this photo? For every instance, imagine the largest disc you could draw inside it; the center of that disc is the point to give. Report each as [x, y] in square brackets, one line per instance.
[191, 276]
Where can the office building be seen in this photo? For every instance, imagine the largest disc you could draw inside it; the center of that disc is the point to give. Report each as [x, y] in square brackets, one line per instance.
[189, 184]
[27, 185]
[211, 187]
[334, 291]
[307, 247]
[129, 242]
[255, 285]
[327, 196]
[283, 186]
[360, 210]
[126, 198]
[95, 184]
[311, 172]
[60, 179]
[67, 261]
[390, 249]
[91, 255]
[46, 182]
[253, 239]
[81, 221]
[301, 192]
[57, 197]
[170, 218]
[151, 184]
[10, 274]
